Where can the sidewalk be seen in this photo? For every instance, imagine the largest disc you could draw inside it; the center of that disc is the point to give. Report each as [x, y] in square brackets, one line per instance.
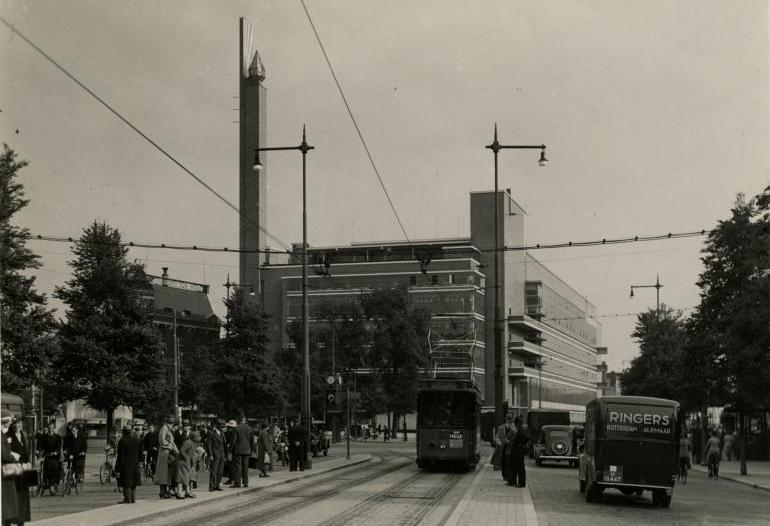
[145, 508]
[489, 501]
[758, 477]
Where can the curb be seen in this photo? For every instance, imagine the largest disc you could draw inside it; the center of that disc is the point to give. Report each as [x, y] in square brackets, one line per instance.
[703, 470]
[85, 517]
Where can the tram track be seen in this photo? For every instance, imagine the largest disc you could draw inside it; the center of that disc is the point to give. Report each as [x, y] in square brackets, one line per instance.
[271, 503]
[420, 502]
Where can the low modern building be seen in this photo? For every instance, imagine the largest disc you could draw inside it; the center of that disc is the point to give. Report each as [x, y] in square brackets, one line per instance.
[551, 336]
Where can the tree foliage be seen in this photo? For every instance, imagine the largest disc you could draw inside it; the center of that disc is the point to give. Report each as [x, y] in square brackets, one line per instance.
[399, 344]
[111, 355]
[29, 340]
[661, 337]
[246, 381]
[734, 310]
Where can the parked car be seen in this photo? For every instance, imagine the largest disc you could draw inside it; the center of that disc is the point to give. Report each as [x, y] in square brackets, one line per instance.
[556, 443]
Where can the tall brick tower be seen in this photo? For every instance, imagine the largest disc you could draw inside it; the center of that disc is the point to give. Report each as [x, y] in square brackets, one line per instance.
[252, 184]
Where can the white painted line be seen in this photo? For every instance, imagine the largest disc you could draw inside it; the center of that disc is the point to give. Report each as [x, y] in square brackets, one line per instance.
[529, 507]
[460, 509]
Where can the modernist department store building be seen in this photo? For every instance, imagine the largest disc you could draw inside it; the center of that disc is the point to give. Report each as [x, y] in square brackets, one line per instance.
[551, 340]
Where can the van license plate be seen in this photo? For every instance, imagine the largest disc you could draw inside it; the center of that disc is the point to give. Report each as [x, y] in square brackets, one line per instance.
[614, 474]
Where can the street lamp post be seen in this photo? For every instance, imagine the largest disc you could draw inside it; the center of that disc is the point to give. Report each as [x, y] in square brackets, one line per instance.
[303, 147]
[657, 288]
[498, 311]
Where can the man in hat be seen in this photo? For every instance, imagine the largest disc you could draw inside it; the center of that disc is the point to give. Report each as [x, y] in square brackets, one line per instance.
[183, 433]
[127, 465]
[518, 474]
[51, 450]
[503, 434]
[215, 449]
[167, 453]
[229, 448]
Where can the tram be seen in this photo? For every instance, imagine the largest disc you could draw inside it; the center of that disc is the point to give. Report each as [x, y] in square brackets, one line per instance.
[448, 423]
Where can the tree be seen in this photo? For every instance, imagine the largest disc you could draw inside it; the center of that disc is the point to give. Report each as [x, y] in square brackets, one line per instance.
[29, 340]
[337, 339]
[661, 338]
[733, 312]
[247, 382]
[399, 336]
[111, 356]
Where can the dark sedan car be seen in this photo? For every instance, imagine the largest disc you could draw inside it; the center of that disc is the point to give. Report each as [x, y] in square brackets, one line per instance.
[558, 444]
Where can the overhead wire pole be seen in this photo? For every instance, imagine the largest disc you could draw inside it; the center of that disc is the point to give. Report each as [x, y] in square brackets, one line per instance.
[303, 147]
[498, 310]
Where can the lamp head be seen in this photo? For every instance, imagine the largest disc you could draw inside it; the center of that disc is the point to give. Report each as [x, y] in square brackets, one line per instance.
[257, 163]
[632, 292]
[543, 161]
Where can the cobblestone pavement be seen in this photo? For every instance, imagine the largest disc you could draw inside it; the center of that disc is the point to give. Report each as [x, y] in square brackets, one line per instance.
[558, 502]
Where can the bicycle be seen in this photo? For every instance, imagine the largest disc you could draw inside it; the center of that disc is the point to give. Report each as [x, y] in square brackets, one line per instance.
[45, 484]
[70, 478]
[147, 468]
[682, 475]
[714, 466]
[107, 469]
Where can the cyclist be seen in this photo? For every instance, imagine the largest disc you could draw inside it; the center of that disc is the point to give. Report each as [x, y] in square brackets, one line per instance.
[77, 449]
[684, 458]
[713, 454]
[151, 447]
[51, 449]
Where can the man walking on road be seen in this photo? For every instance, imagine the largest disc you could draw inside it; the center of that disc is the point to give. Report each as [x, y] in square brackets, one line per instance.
[244, 447]
[215, 448]
[264, 447]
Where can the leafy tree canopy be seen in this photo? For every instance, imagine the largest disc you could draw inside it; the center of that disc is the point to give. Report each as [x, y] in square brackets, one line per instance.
[29, 339]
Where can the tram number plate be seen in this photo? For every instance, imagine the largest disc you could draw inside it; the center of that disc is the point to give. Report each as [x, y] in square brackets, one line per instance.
[455, 439]
[613, 474]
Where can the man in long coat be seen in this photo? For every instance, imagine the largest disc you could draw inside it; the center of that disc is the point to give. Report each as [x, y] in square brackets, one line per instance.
[518, 473]
[127, 465]
[501, 436]
[229, 447]
[244, 447]
[296, 436]
[215, 448]
[167, 452]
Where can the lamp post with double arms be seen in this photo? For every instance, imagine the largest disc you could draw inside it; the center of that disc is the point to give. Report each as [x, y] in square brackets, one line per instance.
[303, 147]
[498, 311]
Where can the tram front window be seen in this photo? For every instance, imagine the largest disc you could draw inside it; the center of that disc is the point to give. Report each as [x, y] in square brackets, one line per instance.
[443, 410]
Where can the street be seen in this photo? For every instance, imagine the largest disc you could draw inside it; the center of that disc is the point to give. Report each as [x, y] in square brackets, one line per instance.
[558, 502]
[389, 489]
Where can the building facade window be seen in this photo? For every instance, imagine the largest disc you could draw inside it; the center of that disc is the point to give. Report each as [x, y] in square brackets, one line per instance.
[434, 279]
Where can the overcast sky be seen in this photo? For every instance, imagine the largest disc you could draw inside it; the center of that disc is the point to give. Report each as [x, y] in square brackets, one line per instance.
[655, 114]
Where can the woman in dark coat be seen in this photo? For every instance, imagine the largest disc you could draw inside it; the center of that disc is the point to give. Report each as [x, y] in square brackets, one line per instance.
[20, 445]
[127, 465]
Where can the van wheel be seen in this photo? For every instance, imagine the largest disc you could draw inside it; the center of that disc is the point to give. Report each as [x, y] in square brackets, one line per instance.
[582, 486]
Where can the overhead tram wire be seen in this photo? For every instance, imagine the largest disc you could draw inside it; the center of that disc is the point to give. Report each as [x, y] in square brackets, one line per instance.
[142, 134]
[538, 246]
[355, 124]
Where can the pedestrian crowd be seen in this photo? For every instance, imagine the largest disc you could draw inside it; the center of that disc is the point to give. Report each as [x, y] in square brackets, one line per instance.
[511, 442]
[173, 455]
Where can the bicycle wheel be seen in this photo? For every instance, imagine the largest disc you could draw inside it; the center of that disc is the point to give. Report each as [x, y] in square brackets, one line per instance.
[105, 473]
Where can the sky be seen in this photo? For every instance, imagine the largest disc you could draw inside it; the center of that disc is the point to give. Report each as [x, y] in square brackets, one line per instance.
[654, 112]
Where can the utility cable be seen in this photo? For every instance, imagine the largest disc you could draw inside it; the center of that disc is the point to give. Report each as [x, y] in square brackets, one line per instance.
[355, 124]
[140, 132]
[539, 246]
